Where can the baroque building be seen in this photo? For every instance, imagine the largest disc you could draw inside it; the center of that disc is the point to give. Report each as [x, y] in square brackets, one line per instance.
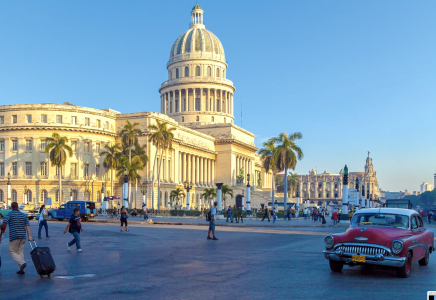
[327, 187]
[197, 100]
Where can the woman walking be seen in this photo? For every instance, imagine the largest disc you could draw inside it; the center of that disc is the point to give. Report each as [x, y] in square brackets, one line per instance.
[123, 218]
[42, 222]
[274, 215]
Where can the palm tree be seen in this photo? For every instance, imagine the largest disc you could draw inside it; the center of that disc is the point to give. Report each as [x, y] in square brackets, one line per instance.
[226, 190]
[141, 155]
[267, 153]
[161, 136]
[209, 193]
[293, 181]
[286, 155]
[129, 135]
[177, 194]
[129, 169]
[57, 148]
[111, 153]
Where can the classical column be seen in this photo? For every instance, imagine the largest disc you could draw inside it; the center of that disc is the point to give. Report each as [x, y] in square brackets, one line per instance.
[201, 99]
[203, 171]
[212, 163]
[196, 170]
[231, 103]
[208, 102]
[193, 99]
[208, 172]
[184, 167]
[180, 100]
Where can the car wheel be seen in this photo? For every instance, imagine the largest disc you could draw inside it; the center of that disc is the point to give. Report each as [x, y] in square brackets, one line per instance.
[404, 271]
[60, 219]
[424, 261]
[336, 266]
[50, 217]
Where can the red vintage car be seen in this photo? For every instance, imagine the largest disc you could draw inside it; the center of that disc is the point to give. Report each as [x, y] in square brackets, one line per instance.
[389, 237]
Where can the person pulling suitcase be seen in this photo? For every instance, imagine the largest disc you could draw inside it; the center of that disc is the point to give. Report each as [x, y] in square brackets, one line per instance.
[42, 260]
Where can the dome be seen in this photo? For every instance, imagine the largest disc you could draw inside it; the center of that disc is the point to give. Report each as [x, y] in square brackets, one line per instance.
[197, 41]
[196, 7]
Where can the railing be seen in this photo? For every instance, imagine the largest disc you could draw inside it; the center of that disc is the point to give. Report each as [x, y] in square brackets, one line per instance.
[195, 79]
[196, 23]
[197, 55]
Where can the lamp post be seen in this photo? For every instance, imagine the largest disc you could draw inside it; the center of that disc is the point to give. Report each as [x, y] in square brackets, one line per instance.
[248, 194]
[144, 192]
[126, 191]
[71, 194]
[344, 215]
[219, 197]
[188, 186]
[25, 195]
[9, 189]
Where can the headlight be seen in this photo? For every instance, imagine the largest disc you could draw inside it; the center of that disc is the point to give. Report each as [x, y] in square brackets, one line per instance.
[397, 246]
[328, 241]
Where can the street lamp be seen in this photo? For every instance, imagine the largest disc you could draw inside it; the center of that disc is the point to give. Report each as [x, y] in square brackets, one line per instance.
[248, 193]
[71, 194]
[188, 186]
[9, 189]
[25, 195]
[144, 192]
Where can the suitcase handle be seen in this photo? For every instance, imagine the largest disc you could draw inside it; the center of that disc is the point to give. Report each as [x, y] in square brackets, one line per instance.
[31, 244]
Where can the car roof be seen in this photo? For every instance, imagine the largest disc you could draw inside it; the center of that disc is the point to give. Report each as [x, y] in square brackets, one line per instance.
[387, 210]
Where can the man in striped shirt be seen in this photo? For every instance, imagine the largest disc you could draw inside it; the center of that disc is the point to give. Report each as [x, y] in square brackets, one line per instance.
[18, 226]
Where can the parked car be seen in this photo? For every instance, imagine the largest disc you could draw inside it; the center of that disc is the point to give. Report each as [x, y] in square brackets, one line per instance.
[30, 210]
[387, 237]
[87, 210]
[4, 212]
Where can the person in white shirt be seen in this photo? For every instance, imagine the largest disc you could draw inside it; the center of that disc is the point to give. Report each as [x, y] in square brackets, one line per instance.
[213, 212]
[42, 222]
[144, 209]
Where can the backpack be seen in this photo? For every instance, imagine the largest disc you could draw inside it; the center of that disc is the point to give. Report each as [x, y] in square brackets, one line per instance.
[208, 216]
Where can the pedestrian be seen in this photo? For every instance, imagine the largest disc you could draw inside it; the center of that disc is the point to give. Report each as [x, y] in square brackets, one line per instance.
[335, 218]
[18, 227]
[115, 213]
[241, 213]
[144, 209]
[339, 216]
[320, 214]
[314, 214]
[235, 213]
[74, 227]
[266, 214]
[288, 213]
[430, 216]
[212, 222]
[123, 218]
[42, 221]
[297, 213]
[274, 215]
[134, 213]
[229, 214]
[323, 216]
[305, 213]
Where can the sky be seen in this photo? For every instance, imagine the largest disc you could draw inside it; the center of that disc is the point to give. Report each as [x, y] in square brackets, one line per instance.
[351, 76]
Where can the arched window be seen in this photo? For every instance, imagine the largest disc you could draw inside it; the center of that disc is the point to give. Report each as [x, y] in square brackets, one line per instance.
[88, 195]
[28, 196]
[98, 196]
[197, 71]
[75, 195]
[187, 72]
[183, 119]
[198, 118]
[217, 72]
[1, 195]
[213, 119]
[57, 196]
[44, 196]
[171, 74]
[209, 71]
[14, 196]
[177, 73]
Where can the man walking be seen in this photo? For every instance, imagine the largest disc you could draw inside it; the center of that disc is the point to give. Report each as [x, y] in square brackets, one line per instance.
[241, 212]
[75, 228]
[229, 214]
[144, 209]
[18, 227]
[288, 213]
[212, 222]
[305, 213]
[266, 214]
[274, 215]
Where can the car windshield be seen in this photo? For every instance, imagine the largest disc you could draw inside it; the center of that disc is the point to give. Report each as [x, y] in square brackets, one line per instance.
[380, 219]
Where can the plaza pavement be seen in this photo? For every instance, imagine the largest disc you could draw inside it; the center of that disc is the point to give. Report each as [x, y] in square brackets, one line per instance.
[177, 262]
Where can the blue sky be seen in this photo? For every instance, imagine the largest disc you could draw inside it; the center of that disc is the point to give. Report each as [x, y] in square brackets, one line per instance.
[352, 76]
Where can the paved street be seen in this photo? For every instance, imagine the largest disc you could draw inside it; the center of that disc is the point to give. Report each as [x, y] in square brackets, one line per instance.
[177, 262]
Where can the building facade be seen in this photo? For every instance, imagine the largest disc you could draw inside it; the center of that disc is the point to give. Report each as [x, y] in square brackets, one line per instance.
[426, 187]
[197, 100]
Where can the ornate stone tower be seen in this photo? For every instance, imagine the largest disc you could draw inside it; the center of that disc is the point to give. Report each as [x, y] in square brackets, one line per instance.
[197, 90]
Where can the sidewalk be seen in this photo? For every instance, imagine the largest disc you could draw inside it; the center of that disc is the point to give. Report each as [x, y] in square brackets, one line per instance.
[158, 220]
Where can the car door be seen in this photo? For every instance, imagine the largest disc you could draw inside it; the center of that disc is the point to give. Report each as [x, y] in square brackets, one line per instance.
[417, 231]
[60, 213]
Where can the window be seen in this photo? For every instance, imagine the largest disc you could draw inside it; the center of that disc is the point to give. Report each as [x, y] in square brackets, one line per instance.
[73, 170]
[86, 170]
[14, 145]
[87, 146]
[59, 119]
[414, 223]
[74, 145]
[171, 74]
[57, 198]
[28, 145]
[97, 148]
[44, 196]
[177, 105]
[183, 119]
[73, 120]
[28, 168]
[209, 71]
[187, 72]
[14, 119]
[87, 122]
[2, 119]
[43, 145]
[197, 104]
[2, 145]
[177, 73]
[197, 71]
[2, 169]
[217, 72]
[97, 170]
[57, 171]
[28, 196]
[1, 195]
[106, 125]
[43, 168]
[198, 118]
[14, 196]
[43, 118]
[213, 119]
[28, 118]
[98, 123]
[14, 169]
[87, 195]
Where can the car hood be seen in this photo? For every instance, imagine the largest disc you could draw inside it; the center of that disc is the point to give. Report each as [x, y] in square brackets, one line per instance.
[373, 235]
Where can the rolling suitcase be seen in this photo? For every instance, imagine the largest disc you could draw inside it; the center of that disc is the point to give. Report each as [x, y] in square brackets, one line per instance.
[42, 260]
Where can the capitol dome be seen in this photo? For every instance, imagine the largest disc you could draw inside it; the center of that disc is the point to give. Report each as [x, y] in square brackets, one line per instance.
[197, 42]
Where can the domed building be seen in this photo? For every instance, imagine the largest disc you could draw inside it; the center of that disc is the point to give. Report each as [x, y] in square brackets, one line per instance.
[208, 148]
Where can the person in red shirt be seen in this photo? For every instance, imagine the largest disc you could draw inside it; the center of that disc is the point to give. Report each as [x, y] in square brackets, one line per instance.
[335, 219]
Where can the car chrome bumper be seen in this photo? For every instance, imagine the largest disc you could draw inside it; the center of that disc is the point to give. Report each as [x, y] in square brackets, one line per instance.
[388, 261]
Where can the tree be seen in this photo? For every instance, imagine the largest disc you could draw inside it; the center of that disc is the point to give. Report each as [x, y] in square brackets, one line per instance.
[161, 136]
[209, 194]
[58, 150]
[226, 190]
[129, 135]
[177, 194]
[267, 153]
[286, 154]
[111, 154]
[293, 181]
[129, 168]
[141, 155]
